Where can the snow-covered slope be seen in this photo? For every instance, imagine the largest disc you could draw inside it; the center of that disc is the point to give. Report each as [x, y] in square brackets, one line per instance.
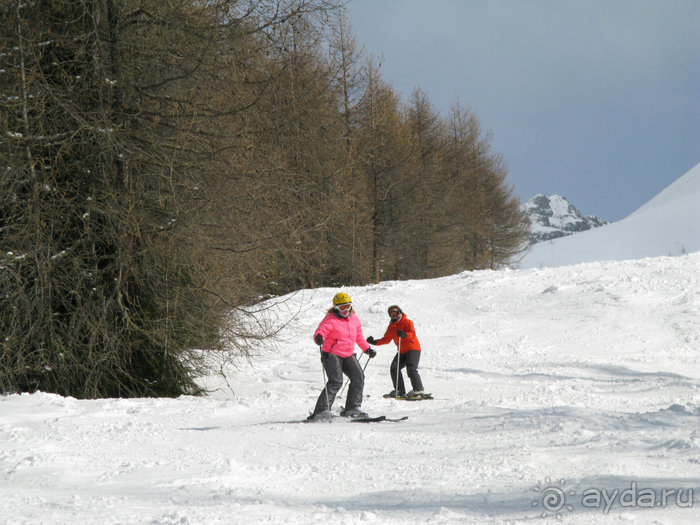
[554, 216]
[571, 392]
[669, 224]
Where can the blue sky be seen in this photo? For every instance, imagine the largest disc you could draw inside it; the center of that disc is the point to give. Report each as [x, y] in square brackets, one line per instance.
[595, 100]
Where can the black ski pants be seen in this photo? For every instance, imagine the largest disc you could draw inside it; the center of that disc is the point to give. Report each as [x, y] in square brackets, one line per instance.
[335, 366]
[409, 360]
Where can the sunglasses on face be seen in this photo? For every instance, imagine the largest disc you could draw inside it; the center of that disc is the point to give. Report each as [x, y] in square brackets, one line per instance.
[393, 313]
[344, 307]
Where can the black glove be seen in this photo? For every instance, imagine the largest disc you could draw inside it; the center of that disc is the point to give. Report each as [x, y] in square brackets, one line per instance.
[371, 340]
[401, 334]
[319, 339]
[371, 352]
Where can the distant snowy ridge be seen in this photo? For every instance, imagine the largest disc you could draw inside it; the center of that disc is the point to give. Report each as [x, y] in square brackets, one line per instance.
[669, 224]
[554, 216]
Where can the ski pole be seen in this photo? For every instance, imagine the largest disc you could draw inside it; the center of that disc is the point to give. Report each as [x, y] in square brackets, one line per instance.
[325, 385]
[365, 367]
[348, 380]
[398, 367]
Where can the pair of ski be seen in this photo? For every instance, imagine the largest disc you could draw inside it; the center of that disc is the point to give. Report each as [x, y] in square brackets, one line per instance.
[415, 397]
[377, 419]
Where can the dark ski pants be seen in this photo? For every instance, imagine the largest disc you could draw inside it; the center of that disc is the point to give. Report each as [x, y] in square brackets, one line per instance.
[335, 366]
[409, 360]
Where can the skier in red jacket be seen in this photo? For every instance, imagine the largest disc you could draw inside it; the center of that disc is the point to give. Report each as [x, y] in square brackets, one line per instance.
[402, 327]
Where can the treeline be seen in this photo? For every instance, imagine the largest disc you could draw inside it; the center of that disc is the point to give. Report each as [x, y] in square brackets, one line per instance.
[164, 162]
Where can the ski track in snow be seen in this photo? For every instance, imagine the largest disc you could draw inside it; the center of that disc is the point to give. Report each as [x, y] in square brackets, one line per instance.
[573, 378]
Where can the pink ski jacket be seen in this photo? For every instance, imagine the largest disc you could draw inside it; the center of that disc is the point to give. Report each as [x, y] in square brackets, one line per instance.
[340, 334]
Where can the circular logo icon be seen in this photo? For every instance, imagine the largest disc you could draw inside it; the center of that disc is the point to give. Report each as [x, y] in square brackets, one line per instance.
[552, 497]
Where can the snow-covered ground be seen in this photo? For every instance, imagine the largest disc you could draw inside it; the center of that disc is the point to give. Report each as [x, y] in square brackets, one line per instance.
[567, 392]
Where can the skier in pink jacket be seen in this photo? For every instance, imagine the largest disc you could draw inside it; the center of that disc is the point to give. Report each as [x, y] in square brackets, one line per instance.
[337, 336]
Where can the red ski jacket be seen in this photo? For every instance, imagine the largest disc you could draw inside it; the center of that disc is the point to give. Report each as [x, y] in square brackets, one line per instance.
[409, 343]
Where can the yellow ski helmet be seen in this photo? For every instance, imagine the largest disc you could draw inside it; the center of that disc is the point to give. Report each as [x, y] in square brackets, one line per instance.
[341, 298]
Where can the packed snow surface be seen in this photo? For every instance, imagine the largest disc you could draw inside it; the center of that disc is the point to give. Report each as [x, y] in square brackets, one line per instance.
[566, 393]
[669, 224]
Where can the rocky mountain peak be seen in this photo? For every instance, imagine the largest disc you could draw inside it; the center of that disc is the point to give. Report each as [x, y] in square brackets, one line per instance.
[555, 216]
